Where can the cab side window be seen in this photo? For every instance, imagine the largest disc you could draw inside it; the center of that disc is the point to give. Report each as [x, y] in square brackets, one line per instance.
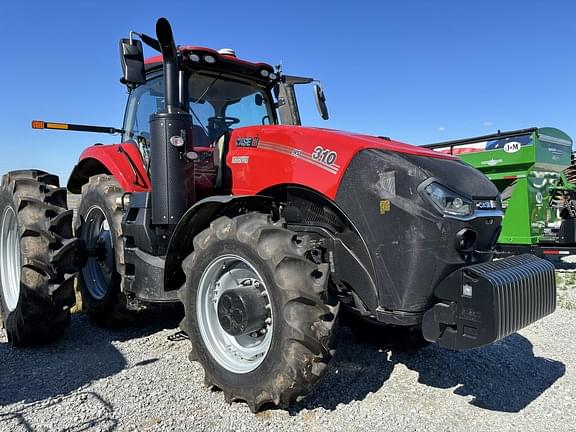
[144, 101]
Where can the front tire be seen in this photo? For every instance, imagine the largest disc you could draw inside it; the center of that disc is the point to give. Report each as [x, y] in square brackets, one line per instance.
[285, 342]
[100, 228]
[36, 258]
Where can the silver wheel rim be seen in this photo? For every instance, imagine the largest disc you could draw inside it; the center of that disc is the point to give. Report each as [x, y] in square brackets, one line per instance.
[10, 258]
[98, 270]
[237, 354]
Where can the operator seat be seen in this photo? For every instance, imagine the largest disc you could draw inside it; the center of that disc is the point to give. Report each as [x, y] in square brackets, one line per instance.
[220, 153]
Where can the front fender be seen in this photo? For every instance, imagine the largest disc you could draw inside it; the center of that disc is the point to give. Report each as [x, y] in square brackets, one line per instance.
[196, 219]
[123, 161]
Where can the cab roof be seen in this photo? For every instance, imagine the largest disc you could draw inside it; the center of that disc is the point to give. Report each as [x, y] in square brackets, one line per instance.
[221, 62]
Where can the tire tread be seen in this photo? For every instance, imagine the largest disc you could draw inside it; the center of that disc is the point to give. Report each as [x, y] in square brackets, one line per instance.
[306, 313]
[41, 316]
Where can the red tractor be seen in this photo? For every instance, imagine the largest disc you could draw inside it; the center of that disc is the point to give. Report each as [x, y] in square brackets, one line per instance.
[263, 229]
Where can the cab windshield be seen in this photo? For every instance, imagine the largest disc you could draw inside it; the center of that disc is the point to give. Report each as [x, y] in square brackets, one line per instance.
[217, 104]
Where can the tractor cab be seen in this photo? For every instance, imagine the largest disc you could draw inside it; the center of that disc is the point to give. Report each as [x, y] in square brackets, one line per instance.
[218, 103]
[223, 93]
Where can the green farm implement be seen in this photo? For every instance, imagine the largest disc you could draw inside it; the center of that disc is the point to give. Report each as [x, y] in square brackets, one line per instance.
[534, 172]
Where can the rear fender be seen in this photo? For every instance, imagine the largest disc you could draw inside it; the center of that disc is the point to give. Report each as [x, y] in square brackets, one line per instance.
[123, 161]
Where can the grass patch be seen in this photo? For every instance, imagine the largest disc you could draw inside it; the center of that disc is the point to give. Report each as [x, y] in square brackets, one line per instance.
[566, 290]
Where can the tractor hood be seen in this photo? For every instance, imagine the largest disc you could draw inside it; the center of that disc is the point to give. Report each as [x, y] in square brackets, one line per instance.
[361, 142]
[341, 141]
[262, 156]
[418, 162]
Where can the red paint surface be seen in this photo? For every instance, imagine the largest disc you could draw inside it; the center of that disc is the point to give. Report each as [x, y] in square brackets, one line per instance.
[219, 57]
[113, 158]
[283, 156]
[275, 161]
[459, 150]
[556, 252]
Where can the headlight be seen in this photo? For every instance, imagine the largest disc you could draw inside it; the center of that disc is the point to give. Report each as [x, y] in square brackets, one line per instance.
[447, 201]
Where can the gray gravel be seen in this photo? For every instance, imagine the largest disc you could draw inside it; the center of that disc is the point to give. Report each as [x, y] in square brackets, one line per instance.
[138, 379]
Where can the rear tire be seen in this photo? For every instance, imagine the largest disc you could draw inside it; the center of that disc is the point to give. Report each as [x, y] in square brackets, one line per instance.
[36, 257]
[100, 228]
[284, 359]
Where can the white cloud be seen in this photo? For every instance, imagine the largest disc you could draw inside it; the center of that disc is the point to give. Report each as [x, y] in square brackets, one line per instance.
[487, 124]
[441, 128]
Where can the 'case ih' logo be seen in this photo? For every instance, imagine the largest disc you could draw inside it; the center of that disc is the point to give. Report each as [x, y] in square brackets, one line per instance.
[486, 205]
[247, 142]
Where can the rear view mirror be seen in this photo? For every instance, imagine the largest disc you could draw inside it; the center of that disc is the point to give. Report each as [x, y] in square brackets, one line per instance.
[132, 60]
[320, 101]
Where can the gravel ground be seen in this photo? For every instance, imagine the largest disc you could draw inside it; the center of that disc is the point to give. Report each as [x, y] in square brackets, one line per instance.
[138, 379]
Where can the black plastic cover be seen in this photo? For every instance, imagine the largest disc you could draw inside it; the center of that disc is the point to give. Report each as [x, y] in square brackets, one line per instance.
[172, 187]
[132, 60]
[411, 244]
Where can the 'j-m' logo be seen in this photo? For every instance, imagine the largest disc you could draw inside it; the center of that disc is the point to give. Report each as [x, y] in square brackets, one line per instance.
[512, 147]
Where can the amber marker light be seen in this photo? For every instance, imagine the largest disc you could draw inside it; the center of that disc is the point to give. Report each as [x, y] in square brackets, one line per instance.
[56, 126]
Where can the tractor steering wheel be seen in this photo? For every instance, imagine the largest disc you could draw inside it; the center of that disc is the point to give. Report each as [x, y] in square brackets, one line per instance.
[223, 121]
[219, 125]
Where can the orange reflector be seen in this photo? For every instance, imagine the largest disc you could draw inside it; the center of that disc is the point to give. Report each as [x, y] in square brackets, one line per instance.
[37, 124]
[56, 126]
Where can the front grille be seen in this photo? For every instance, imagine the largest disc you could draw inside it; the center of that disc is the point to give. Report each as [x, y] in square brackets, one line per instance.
[524, 290]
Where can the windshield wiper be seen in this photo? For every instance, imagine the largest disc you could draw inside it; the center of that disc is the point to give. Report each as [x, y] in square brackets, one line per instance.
[207, 89]
[199, 122]
[198, 100]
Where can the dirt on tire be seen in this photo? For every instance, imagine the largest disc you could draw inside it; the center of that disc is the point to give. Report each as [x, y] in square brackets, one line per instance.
[304, 317]
[47, 253]
[102, 192]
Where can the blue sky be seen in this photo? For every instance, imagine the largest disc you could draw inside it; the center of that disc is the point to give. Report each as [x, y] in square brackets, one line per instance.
[418, 71]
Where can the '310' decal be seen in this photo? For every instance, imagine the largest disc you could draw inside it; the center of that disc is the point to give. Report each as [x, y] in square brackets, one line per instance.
[324, 156]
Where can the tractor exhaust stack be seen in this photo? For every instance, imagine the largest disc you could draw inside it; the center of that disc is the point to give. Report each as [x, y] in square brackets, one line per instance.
[171, 138]
[170, 63]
